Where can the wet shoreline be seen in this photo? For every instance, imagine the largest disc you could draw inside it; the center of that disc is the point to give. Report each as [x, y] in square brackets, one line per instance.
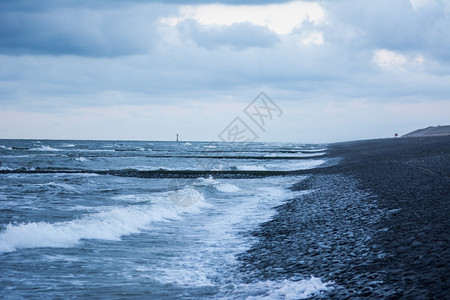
[376, 223]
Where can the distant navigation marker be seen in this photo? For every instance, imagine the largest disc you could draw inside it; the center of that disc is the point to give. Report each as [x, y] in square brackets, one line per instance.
[177, 137]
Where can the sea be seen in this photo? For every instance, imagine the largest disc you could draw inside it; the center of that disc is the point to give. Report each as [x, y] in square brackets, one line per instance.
[144, 219]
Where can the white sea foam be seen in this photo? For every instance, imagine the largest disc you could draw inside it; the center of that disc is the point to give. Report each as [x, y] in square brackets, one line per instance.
[210, 147]
[299, 289]
[89, 150]
[251, 168]
[68, 145]
[133, 198]
[109, 224]
[149, 168]
[227, 188]
[5, 168]
[188, 199]
[217, 167]
[286, 289]
[183, 276]
[6, 148]
[45, 148]
[206, 181]
[313, 150]
[219, 234]
[81, 159]
[159, 168]
[312, 154]
[221, 187]
[296, 165]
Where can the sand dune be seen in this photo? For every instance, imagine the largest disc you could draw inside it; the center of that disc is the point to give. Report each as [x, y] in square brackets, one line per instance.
[430, 131]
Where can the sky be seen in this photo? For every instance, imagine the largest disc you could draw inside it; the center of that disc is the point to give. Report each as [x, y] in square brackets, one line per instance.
[269, 71]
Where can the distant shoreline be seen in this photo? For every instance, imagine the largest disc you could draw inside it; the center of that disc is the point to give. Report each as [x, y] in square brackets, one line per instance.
[424, 132]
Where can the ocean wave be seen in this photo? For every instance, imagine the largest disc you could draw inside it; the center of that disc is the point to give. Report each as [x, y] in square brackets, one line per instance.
[59, 186]
[188, 199]
[5, 148]
[134, 198]
[296, 165]
[273, 156]
[182, 277]
[227, 188]
[90, 150]
[129, 149]
[206, 181]
[15, 156]
[4, 169]
[313, 150]
[251, 168]
[244, 172]
[286, 289]
[108, 225]
[302, 155]
[221, 237]
[221, 187]
[45, 148]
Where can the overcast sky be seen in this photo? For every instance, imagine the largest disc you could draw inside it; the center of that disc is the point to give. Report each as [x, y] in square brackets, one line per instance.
[147, 70]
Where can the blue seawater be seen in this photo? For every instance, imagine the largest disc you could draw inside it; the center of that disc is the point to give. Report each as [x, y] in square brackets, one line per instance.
[149, 220]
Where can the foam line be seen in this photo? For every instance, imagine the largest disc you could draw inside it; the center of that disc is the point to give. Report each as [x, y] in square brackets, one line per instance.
[106, 225]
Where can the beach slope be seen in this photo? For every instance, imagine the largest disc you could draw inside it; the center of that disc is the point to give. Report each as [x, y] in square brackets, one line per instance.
[376, 222]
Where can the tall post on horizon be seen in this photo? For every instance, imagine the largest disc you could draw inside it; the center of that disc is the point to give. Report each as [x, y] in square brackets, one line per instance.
[177, 137]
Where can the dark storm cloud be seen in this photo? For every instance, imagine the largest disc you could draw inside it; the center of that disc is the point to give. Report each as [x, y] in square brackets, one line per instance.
[85, 31]
[343, 65]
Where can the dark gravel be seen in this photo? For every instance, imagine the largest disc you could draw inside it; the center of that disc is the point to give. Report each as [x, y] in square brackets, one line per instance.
[377, 223]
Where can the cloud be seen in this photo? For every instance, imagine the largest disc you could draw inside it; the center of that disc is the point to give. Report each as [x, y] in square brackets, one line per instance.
[396, 25]
[84, 31]
[280, 18]
[236, 35]
[426, 110]
[337, 63]
[389, 59]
